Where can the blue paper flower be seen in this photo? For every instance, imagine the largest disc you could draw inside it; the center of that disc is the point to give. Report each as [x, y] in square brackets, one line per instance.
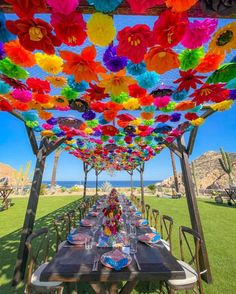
[105, 5]
[148, 79]
[4, 88]
[5, 35]
[136, 69]
[89, 115]
[232, 94]
[179, 96]
[112, 61]
[78, 87]
[30, 116]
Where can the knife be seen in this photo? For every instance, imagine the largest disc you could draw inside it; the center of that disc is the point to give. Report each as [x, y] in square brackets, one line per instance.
[137, 262]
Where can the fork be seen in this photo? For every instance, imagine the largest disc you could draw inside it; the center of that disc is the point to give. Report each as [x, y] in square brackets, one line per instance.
[95, 262]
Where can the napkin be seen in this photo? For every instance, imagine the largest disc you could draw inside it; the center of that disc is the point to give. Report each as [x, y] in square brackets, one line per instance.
[142, 222]
[93, 213]
[138, 213]
[150, 237]
[116, 260]
[86, 222]
[77, 238]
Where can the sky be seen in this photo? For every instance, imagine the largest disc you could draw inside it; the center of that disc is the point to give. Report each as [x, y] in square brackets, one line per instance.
[219, 130]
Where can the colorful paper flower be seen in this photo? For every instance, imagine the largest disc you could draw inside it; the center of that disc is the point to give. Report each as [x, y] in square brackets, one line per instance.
[180, 5]
[198, 122]
[170, 107]
[190, 58]
[179, 95]
[131, 104]
[22, 95]
[78, 87]
[82, 66]
[109, 130]
[112, 61]
[210, 62]
[146, 100]
[105, 5]
[184, 105]
[136, 69]
[69, 93]
[16, 84]
[101, 29]
[88, 115]
[12, 70]
[37, 85]
[34, 33]
[232, 94]
[4, 88]
[5, 105]
[222, 106]
[60, 101]
[198, 33]
[70, 28]
[63, 6]
[161, 60]
[2, 51]
[220, 7]
[134, 42]
[140, 6]
[27, 8]
[161, 102]
[98, 106]
[123, 97]
[224, 40]
[136, 91]
[51, 64]
[148, 80]
[96, 93]
[170, 28]
[41, 98]
[116, 83]
[57, 81]
[18, 54]
[188, 79]
[225, 73]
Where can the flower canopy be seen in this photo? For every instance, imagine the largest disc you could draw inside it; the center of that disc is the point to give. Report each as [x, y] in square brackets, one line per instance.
[118, 92]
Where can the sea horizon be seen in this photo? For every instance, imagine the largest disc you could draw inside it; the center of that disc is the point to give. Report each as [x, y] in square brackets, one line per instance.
[92, 184]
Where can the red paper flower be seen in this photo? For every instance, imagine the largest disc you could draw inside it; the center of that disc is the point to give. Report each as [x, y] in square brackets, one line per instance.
[169, 28]
[5, 105]
[109, 130]
[27, 8]
[210, 92]
[162, 118]
[136, 91]
[126, 117]
[96, 93]
[134, 41]
[41, 98]
[113, 106]
[70, 28]
[191, 116]
[98, 106]
[210, 62]
[16, 84]
[37, 85]
[140, 6]
[34, 33]
[188, 80]
[146, 100]
[82, 66]
[109, 115]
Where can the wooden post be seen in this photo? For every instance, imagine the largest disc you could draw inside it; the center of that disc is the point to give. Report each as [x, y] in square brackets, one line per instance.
[131, 183]
[141, 170]
[172, 155]
[85, 179]
[193, 208]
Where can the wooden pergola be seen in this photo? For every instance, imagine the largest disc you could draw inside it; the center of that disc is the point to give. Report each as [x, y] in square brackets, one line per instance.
[44, 148]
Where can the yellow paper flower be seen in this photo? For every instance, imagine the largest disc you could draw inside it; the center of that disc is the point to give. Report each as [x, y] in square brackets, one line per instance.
[88, 131]
[57, 82]
[100, 29]
[198, 122]
[136, 122]
[224, 39]
[47, 133]
[116, 83]
[60, 101]
[51, 64]
[131, 104]
[222, 106]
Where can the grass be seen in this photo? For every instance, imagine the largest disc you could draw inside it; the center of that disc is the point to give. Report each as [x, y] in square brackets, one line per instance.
[219, 224]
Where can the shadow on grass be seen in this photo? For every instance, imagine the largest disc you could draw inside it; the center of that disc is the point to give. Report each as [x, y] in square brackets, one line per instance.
[220, 204]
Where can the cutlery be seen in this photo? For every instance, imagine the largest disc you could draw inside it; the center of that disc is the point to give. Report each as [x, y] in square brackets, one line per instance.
[137, 262]
[95, 262]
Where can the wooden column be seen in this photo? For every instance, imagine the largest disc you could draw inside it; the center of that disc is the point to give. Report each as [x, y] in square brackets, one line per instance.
[87, 169]
[140, 169]
[131, 172]
[97, 173]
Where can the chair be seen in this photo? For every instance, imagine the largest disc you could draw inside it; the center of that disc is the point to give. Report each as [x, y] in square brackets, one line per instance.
[155, 219]
[190, 240]
[72, 219]
[62, 228]
[166, 231]
[147, 210]
[38, 246]
[82, 210]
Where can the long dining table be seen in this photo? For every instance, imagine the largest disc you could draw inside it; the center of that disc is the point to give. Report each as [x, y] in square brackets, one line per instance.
[72, 264]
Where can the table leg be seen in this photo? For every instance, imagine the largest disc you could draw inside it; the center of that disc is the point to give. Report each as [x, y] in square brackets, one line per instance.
[114, 288]
[99, 288]
[128, 287]
[71, 288]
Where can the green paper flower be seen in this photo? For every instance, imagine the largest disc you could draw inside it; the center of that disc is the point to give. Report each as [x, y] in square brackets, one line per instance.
[92, 123]
[31, 124]
[123, 97]
[8, 68]
[190, 58]
[104, 138]
[69, 93]
[170, 107]
[148, 122]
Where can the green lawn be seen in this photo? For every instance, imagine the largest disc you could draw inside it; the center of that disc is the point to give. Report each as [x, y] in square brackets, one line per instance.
[219, 223]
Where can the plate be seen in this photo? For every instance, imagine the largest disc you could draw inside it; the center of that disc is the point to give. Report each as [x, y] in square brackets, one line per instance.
[142, 238]
[109, 254]
[77, 242]
[85, 223]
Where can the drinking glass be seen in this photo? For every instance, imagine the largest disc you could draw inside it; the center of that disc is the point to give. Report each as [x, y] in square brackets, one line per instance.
[88, 243]
[133, 244]
[132, 230]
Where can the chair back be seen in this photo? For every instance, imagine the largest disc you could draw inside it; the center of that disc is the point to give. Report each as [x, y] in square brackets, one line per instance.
[62, 228]
[166, 229]
[72, 219]
[38, 247]
[147, 211]
[82, 210]
[155, 218]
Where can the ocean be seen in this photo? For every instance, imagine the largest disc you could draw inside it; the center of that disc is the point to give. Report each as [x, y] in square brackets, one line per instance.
[92, 184]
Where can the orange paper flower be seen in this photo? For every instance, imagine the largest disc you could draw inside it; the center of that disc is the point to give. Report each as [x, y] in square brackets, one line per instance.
[56, 81]
[180, 5]
[161, 60]
[210, 62]
[185, 105]
[82, 66]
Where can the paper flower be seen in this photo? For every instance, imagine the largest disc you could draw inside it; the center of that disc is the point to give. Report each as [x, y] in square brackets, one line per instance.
[136, 69]
[12, 70]
[116, 83]
[22, 95]
[41, 98]
[109, 115]
[131, 104]
[97, 106]
[70, 28]
[197, 122]
[136, 91]
[101, 29]
[221, 7]
[4, 88]
[63, 6]
[161, 102]
[224, 73]
[21, 106]
[170, 28]
[69, 93]
[82, 66]
[170, 107]
[134, 41]
[51, 64]
[123, 97]
[161, 60]
[185, 105]
[2, 51]
[96, 93]
[16, 84]
[188, 79]
[232, 94]
[78, 87]
[57, 81]
[5, 105]
[224, 40]
[105, 5]
[175, 117]
[27, 8]
[222, 106]
[180, 5]
[34, 33]
[148, 80]
[18, 54]
[231, 84]
[198, 33]
[37, 85]
[140, 6]
[210, 62]
[146, 100]
[190, 58]
[112, 61]
[88, 115]
[109, 130]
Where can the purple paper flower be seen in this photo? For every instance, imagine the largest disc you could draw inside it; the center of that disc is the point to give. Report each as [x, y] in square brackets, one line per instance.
[112, 61]
[52, 121]
[2, 52]
[88, 115]
[175, 117]
[232, 94]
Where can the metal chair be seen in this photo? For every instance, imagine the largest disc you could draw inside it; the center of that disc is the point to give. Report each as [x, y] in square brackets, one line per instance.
[166, 231]
[191, 240]
[38, 246]
[155, 219]
[62, 228]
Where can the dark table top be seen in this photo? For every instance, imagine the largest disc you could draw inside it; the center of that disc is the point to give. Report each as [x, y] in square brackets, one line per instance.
[72, 264]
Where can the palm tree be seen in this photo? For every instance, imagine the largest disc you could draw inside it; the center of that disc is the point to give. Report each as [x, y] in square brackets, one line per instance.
[55, 165]
[174, 171]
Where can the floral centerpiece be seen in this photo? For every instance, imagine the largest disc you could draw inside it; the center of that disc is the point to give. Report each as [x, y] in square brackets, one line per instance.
[112, 223]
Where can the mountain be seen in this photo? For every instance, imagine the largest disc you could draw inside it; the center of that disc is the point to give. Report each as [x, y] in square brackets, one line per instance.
[208, 172]
[8, 172]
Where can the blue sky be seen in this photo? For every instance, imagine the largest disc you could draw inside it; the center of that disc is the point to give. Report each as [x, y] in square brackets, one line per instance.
[218, 131]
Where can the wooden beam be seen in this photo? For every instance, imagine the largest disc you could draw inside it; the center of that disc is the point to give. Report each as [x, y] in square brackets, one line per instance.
[173, 146]
[193, 208]
[28, 225]
[191, 141]
[52, 146]
[32, 139]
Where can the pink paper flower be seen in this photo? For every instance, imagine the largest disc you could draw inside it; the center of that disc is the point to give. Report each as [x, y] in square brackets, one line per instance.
[63, 6]
[140, 6]
[161, 102]
[22, 95]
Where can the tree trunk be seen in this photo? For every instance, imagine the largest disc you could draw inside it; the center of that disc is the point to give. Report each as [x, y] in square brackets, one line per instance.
[54, 170]
[174, 171]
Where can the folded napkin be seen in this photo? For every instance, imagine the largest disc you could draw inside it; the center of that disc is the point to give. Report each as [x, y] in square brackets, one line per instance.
[86, 222]
[94, 213]
[142, 222]
[138, 213]
[77, 238]
[116, 260]
[150, 237]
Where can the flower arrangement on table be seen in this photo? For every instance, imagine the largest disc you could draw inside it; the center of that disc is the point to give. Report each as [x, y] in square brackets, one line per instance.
[112, 223]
